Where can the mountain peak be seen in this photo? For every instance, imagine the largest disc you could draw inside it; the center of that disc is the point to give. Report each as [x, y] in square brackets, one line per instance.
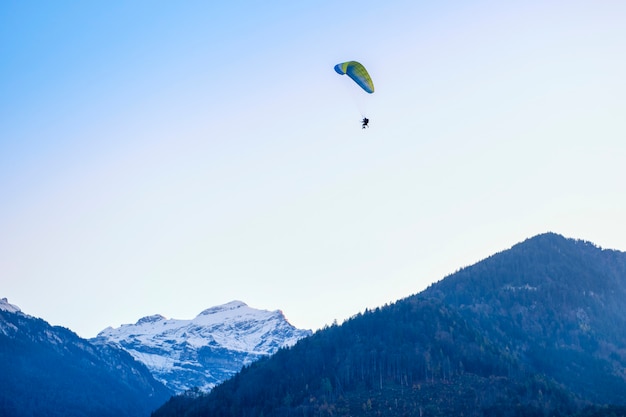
[548, 261]
[6, 306]
[552, 239]
[150, 319]
[233, 305]
[204, 351]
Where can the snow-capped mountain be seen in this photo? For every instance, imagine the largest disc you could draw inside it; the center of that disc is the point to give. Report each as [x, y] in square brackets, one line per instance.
[6, 306]
[206, 350]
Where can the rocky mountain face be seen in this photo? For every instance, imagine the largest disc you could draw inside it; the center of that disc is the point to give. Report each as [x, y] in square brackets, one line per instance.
[206, 350]
[49, 370]
[536, 330]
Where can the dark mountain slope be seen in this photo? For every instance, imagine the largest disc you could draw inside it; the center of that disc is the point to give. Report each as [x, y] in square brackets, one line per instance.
[50, 371]
[537, 330]
[410, 358]
[558, 305]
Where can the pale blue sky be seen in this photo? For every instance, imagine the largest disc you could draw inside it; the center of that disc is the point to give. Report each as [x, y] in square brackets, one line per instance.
[165, 157]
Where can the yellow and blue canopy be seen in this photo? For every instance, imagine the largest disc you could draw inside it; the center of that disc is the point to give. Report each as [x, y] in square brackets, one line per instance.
[358, 73]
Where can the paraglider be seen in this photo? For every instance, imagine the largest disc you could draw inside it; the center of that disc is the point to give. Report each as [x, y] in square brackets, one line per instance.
[357, 72]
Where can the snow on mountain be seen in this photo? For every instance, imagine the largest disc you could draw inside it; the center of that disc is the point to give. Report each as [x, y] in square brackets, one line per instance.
[6, 306]
[206, 350]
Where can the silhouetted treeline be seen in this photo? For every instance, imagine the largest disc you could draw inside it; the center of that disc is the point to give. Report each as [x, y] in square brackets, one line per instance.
[411, 357]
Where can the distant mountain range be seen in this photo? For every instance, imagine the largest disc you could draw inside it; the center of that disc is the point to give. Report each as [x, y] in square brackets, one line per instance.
[204, 351]
[128, 371]
[536, 330]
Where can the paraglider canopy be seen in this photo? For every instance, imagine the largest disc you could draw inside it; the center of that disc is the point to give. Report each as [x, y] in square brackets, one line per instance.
[358, 73]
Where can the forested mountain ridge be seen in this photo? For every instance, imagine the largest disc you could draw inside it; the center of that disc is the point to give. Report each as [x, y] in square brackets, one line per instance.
[558, 305]
[536, 330]
[49, 371]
